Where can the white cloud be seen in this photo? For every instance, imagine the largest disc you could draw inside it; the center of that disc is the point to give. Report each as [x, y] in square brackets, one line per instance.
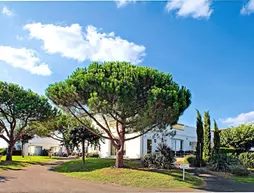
[192, 8]
[90, 44]
[25, 59]
[239, 119]
[122, 3]
[7, 11]
[248, 8]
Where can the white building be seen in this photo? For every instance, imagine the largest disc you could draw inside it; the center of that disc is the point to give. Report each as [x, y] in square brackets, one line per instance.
[184, 140]
[36, 146]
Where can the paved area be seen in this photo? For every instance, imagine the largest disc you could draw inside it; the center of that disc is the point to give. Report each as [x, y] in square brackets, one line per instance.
[38, 178]
[221, 184]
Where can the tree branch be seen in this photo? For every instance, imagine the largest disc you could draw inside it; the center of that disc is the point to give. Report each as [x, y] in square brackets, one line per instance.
[3, 137]
[96, 121]
[86, 125]
[5, 115]
[4, 127]
[142, 133]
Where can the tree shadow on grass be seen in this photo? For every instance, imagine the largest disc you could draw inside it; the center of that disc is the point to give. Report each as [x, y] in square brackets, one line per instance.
[96, 164]
[12, 165]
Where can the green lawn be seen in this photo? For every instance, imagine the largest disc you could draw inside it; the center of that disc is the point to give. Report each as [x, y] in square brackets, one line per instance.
[102, 170]
[245, 179]
[19, 162]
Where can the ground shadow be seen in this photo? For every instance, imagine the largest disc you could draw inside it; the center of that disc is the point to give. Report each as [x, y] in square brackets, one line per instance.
[4, 179]
[221, 184]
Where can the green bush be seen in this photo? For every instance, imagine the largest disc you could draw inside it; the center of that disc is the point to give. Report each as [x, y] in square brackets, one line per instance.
[94, 154]
[45, 152]
[222, 162]
[247, 159]
[3, 151]
[163, 160]
[239, 170]
[191, 159]
[227, 150]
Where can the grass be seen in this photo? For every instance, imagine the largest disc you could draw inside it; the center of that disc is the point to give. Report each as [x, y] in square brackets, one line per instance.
[102, 170]
[19, 162]
[245, 179]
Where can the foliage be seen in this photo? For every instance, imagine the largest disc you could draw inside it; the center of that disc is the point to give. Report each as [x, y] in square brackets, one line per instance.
[102, 170]
[18, 108]
[239, 170]
[240, 137]
[200, 139]
[227, 150]
[81, 135]
[191, 159]
[222, 162]
[247, 159]
[137, 98]
[216, 139]
[207, 137]
[165, 159]
[3, 151]
[25, 138]
[58, 128]
[94, 154]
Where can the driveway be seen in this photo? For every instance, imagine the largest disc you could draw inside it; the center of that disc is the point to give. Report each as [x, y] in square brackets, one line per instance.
[38, 178]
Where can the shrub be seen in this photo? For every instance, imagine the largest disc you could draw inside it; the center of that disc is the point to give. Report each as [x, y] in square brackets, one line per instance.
[191, 159]
[3, 151]
[239, 170]
[163, 160]
[247, 159]
[94, 154]
[227, 150]
[222, 162]
[44, 152]
[16, 152]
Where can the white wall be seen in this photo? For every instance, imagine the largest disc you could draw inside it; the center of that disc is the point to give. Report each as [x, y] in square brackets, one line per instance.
[3, 143]
[45, 143]
[187, 135]
[132, 148]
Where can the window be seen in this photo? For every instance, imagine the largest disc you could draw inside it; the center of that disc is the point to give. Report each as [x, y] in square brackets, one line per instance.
[181, 145]
[149, 146]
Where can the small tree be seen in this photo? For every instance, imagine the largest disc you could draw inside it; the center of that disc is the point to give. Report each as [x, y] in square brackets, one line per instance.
[80, 136]
[58, 128]
[207, 136]
[18, 108]
[139, 99]
[25, 138]
[200, 136]
[240, 137]
[216, 139]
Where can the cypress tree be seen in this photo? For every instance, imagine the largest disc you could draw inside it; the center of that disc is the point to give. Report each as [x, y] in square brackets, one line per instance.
[207, 136]
[216, 139]
[200, 136]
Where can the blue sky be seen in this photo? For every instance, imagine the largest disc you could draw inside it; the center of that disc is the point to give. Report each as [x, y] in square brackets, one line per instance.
[208, 46]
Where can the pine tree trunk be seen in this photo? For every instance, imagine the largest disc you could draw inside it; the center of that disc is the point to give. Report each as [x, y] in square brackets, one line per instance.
[22, 150]
[68, 150]
[83, 153]
[9, 152]
[119, 159]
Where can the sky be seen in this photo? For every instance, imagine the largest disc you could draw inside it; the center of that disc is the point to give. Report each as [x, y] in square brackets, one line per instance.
[207, 46]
